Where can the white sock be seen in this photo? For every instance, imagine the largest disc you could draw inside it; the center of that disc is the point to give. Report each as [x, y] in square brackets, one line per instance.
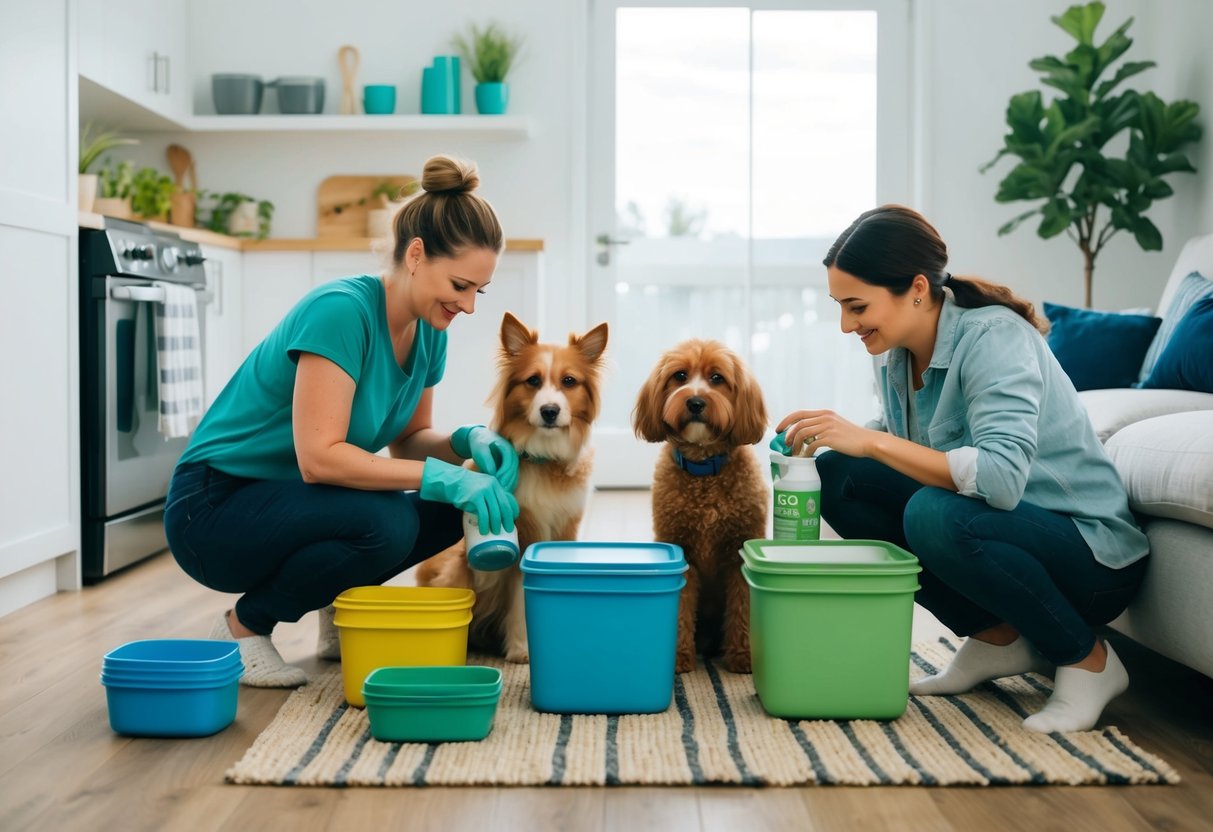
[1079, 697]
[263, 665]
[328, 645]
[978, 661]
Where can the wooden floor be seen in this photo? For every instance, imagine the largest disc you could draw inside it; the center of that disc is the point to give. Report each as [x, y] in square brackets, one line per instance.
[61, 768]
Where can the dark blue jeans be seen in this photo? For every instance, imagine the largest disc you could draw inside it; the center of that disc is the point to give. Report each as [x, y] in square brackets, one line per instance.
[291, 547]
[982, 566]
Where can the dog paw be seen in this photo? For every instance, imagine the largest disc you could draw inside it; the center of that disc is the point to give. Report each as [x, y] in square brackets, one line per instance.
[518, 656]
[684, 664]
[739, 663]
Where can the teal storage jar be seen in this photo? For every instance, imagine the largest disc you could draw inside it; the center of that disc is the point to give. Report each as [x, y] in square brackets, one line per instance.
[492, 98]
[432, 704]
[602, 624]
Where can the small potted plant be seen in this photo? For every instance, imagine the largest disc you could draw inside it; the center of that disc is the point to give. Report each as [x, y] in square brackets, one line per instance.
[385, 199]
[151, 194]
[489, 53]
[114, 190]
[240, 215]
[92, 145]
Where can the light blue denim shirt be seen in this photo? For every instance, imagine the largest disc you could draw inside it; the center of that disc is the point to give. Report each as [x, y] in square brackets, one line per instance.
[994, 386]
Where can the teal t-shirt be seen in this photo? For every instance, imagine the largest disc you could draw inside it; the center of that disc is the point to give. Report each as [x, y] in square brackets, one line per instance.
[247, 431]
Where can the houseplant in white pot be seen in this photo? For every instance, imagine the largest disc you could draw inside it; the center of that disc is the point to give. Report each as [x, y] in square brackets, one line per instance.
[92, 145]
[114, 185]
[489, 53]
[239, 215]
[151, 194]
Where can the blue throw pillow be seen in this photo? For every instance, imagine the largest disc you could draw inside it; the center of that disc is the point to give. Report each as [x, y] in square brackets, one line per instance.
[1187, 361]
[1099, 350]
[1192, 288]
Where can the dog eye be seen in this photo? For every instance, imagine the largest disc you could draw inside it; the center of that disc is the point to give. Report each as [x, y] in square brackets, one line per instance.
[680, 376]
[569, 381]
[717, 378]
[534, 380]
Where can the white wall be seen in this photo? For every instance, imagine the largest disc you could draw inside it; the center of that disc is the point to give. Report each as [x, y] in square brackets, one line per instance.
[974, 57]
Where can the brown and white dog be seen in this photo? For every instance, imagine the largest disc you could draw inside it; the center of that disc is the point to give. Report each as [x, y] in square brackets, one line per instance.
[709, 493]
[546, 399]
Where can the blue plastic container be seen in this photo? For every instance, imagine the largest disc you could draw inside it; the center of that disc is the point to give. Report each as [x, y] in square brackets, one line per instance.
[173, 654]
[602, 623]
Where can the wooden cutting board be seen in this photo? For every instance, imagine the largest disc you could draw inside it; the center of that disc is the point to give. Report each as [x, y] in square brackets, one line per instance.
[342, 202]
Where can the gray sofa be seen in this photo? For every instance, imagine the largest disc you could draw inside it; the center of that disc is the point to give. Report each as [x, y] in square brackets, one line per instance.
[1161, 442]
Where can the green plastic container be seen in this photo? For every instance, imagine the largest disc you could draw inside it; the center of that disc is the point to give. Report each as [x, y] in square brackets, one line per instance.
[432, 704]
[830, 626]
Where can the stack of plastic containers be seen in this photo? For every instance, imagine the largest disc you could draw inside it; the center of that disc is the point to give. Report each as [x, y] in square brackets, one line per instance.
[172, 687]
[391, 626]
[431, 704]
[830, 626]
[602, 622]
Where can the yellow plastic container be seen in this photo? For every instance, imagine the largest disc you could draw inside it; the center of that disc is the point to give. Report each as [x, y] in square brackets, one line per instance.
[399, 626]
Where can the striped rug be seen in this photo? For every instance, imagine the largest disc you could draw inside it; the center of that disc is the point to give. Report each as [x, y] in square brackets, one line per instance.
[715, 732]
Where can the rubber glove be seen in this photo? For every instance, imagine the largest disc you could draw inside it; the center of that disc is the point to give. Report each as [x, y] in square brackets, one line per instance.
[779, 444]
[491, 453]
[471, 491]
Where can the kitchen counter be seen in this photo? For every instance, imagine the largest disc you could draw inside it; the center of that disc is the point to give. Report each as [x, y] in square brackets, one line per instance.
[210, 238]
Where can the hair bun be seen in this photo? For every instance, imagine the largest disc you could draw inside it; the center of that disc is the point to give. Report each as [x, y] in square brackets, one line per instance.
[446, 174]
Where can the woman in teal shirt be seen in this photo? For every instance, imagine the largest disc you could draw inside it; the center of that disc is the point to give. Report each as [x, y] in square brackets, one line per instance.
[985, 466]
[280, 495]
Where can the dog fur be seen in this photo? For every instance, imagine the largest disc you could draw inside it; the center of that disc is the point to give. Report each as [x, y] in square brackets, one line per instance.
[701, 400]
[545, 401]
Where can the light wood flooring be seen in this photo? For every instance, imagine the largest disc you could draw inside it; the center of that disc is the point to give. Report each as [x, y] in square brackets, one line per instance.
[61, 768]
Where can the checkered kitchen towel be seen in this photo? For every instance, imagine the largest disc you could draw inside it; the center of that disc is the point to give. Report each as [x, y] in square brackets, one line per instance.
[179, 360]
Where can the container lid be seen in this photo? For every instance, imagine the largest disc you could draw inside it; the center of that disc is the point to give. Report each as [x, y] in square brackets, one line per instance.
[572, 557]
[429, 598]
[174, 654]
[492, 555]
[832, 557]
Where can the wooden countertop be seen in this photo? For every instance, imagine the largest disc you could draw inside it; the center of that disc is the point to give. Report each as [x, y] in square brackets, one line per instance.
[210, 238]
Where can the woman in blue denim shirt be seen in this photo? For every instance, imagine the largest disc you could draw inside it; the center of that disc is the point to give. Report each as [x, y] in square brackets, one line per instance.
[984, 465]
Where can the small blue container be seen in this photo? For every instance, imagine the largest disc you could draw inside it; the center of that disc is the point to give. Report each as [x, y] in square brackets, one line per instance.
[173, 654]
[602, 623]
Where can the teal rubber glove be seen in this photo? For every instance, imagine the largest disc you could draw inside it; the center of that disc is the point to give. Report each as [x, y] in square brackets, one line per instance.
[471, 491]
[492, 454]
[779, 444]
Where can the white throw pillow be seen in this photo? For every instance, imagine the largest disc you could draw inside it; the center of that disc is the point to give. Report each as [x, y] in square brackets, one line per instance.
[1166, 464]
[1112, 410]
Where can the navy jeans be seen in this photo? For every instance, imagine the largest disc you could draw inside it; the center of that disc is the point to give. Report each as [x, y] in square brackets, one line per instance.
[291, 547]
[1028, 567]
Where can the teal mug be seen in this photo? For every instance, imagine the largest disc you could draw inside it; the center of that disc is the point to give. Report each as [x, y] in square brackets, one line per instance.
[379, 99]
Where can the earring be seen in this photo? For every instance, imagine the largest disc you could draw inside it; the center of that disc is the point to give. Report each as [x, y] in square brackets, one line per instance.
[917, 301]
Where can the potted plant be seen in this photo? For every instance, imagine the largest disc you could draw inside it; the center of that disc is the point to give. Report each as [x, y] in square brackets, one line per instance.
[114, 190]
[385, 199]
[151, 194]
[489, 53]
[1073, 132]
[240, 215]
[91, 147]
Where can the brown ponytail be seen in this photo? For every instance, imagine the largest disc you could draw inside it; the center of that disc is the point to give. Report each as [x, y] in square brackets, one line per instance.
[889, 246]
[446, 215]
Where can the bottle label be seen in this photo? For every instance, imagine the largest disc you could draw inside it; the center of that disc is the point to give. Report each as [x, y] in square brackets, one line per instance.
[797, 515]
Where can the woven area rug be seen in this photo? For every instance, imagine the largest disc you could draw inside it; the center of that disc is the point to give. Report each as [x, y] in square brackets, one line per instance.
[715, 732]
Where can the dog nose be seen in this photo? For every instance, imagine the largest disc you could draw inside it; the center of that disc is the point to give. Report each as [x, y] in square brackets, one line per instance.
[696, 405]
[549, 412]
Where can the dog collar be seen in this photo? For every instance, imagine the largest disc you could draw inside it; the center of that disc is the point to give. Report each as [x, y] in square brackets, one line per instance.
[708, 467]
[537, 460]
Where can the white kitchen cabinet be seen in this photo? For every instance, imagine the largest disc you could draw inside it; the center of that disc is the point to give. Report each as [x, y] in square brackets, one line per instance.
[224, 317]
[137, 50]
[330, 265]
[273, 282]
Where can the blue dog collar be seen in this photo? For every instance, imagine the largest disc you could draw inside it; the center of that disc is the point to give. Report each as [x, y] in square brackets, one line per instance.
[708, 467]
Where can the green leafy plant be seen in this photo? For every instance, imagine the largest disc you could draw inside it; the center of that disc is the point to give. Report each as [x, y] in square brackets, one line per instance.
[1072, 133]
[151, 193]
[93, 145]
[115, 180]
[222, 206]
[489, 52]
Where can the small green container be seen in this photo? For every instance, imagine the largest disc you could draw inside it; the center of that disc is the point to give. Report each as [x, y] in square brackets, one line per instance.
[432, 704]
[830, 626]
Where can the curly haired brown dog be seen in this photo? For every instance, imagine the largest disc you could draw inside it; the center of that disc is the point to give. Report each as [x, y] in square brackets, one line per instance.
[709, 493]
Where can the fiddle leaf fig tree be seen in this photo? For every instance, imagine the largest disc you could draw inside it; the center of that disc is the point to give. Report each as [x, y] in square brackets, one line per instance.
[1062, 146]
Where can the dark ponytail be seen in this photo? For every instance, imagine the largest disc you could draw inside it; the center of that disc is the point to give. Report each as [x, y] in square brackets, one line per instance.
[890, 245]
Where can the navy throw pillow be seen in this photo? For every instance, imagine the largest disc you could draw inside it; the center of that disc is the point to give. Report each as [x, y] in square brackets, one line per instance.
[1099, 350]
[1186, 363]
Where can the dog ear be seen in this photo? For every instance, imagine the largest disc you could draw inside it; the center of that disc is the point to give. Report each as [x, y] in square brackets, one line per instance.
[592, 344]
[515, 335]
[650, 404]
[750, 412]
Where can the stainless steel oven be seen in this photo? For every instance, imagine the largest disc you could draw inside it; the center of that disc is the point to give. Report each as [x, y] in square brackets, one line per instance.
[126, 461]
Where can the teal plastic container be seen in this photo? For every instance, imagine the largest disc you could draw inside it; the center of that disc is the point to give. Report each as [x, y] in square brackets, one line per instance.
[602, 623]
[432, 704]
[830, 626]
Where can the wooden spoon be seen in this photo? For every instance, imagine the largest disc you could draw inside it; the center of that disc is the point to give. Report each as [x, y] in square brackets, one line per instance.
[349, 59]
[179, 160]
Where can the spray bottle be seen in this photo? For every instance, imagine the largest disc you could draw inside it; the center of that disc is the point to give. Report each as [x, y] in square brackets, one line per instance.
[797, 509]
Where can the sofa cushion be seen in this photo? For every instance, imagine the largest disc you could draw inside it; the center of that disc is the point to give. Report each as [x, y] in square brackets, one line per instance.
[1166, 464]
[1099, 349]
[1187, 361]
[1187, 292]
[1111, 410]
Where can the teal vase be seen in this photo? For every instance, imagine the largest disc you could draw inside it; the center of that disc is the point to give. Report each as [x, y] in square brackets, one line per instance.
[492, 98]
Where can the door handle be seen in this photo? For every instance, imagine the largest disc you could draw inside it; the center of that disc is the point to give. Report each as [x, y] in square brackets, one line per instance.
[605, 241]
[138, 294]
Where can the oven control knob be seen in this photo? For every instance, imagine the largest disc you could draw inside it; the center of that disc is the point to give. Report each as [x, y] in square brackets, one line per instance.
[147, 251]
[191, 258]
[169, 257]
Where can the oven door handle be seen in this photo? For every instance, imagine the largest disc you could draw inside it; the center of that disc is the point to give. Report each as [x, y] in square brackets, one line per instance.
[139, 294]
